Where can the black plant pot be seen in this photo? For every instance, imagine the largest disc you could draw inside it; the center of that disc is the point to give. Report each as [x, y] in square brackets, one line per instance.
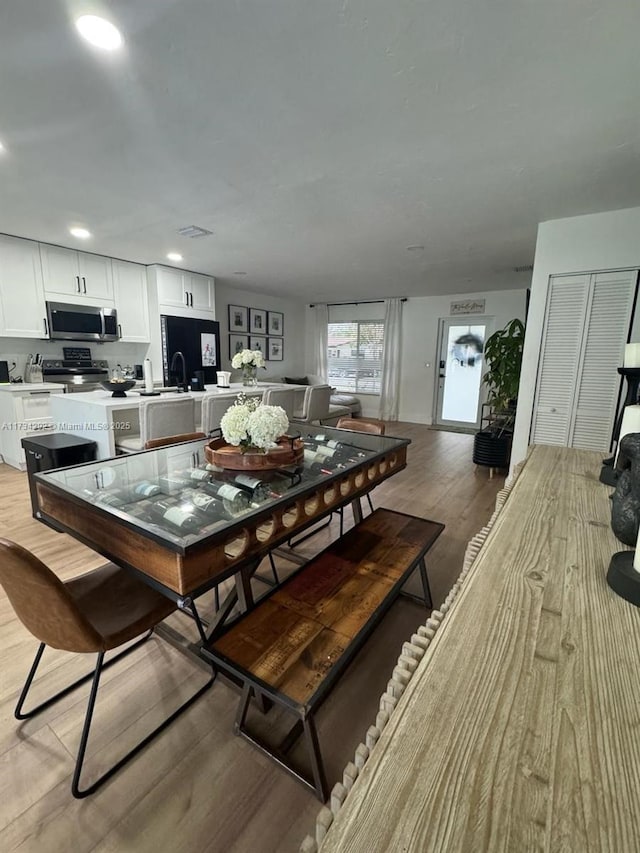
[492, 448]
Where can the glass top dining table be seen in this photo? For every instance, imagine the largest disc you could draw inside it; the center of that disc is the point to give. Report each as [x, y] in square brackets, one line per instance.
[186, 524]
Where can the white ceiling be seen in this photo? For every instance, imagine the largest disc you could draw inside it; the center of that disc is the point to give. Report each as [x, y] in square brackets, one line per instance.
[319, 139]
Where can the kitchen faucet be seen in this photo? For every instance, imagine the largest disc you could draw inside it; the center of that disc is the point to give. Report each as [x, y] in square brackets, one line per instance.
[182, 386]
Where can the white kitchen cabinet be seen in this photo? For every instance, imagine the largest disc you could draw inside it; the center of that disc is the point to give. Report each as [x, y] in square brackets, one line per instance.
[131, 301]
[200, 291]
[183, 293]
[25, 411]
[76, 277]
[586, 327]
[170, 288]
[22, 309]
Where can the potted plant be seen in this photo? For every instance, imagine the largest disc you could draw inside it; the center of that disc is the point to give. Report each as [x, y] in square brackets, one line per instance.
[503, 354]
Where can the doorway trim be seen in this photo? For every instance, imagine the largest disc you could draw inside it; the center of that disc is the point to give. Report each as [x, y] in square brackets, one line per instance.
[444, 323]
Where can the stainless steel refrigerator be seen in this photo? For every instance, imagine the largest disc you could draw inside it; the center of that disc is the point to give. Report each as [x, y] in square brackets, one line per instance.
[199, 343]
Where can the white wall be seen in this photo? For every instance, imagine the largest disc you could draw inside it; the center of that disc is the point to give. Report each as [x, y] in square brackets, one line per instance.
[293, 362]
[420, 317]
[592, 243]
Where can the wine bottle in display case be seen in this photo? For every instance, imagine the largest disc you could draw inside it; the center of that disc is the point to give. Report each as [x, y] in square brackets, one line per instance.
[205, 503]
[234, 498]
[173, 483]
[182, 517]
[105, 498]
[326, 460]
[147, 489]
[119, 497]
[258, 490]
[199, 475]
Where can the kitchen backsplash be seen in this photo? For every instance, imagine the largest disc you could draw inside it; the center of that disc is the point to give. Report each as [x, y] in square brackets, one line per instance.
[18, 350]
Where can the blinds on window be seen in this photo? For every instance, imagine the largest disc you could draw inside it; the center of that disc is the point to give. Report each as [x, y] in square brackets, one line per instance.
[355, 356]
[586, 327]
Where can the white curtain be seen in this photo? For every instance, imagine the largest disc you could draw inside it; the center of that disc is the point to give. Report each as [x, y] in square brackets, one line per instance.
[320, 340]
[390, 386]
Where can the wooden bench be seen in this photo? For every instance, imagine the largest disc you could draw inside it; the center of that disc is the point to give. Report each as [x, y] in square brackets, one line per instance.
[297, 641]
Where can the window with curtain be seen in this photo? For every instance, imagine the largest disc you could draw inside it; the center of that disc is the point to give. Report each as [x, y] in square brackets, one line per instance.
[354, 356]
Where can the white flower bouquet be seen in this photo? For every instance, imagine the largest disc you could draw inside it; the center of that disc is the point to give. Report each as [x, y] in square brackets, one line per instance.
[248, 358]
[251, 426]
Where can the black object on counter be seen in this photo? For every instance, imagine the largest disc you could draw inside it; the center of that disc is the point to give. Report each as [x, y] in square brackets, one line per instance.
[197, 380]
[54, 450]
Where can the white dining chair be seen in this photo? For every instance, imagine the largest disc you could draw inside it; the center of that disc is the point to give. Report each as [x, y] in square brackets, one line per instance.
[159, 419]
[283, 397]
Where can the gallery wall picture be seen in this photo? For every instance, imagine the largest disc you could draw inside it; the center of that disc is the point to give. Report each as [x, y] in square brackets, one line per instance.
[257, 321]
[238, 319]
[237, 343]
[257, 342]
[275, 323]
[275, 349]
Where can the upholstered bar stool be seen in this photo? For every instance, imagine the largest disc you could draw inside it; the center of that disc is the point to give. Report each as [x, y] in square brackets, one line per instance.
[213, 408]
[96, 612]
[159, 419]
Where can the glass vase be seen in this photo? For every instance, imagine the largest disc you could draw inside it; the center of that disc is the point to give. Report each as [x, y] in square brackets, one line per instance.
[249, 374]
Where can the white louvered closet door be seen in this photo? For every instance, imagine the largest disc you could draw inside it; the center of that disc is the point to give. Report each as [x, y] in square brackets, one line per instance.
[598, 386]
[586, 327]
[559, 358]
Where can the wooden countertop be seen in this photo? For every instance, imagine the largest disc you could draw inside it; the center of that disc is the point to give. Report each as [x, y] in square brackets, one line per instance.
[520, 729]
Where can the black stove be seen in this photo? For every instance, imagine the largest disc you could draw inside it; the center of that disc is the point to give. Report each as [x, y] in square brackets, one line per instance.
[77, 370]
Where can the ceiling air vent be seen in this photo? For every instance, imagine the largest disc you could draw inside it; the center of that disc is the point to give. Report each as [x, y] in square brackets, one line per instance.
[525, 268]
[194, 231]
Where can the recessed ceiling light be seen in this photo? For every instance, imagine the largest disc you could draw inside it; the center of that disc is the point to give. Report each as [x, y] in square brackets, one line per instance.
[80, 233]
[2, 148]
[174, 256]
[99, 32]
[240, 272]
[415, 248]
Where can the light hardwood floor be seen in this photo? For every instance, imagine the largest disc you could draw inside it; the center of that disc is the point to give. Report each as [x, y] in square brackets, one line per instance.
[199, 788]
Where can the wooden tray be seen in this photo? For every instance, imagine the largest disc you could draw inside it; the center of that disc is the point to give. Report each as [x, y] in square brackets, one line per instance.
[289, 452]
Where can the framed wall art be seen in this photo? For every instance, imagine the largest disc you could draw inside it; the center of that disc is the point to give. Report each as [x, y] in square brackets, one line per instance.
[258, 342]
[275, 349]
[257, 321]
[238, 319]
[275, 323]
[237, 343]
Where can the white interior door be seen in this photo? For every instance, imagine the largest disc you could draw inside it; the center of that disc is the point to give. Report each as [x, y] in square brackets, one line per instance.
[461, 365]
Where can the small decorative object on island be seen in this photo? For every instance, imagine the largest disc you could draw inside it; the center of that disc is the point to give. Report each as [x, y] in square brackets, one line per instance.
[255, 438]
[248, 361]
[118, 384]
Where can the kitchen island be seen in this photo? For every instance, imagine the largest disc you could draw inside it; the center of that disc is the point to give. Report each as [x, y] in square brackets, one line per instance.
[99, 416]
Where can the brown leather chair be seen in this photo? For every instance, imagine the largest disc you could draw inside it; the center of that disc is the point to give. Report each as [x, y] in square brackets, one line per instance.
[95, 612]
[373, 427]
[151, 443]
[369, 425]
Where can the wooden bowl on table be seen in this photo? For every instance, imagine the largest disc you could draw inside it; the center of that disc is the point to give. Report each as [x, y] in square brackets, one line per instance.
[288, 452]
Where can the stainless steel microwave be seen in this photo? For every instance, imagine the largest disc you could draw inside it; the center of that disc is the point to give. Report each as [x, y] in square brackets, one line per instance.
[81, 323]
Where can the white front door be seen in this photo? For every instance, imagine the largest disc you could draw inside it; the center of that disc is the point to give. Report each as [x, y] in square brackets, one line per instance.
[460, 369]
